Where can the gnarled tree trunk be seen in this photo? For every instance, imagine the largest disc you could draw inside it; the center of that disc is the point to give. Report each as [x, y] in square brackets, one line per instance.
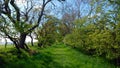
[22, 44]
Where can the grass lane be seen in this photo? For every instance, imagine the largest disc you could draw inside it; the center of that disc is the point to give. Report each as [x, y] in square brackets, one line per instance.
[67, 57]
[56, 56]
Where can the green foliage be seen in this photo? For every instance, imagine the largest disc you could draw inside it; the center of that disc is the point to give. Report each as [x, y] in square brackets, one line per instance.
[98, 34]
[100, 38]
[21, 26]
[74, 40]
[49, 32]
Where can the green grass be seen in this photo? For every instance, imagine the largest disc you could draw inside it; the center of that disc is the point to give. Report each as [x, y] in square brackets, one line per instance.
[71, 58]
[56, 56]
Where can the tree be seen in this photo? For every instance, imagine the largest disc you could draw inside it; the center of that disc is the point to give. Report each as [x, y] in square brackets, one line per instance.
[49, 32]
[19, 22]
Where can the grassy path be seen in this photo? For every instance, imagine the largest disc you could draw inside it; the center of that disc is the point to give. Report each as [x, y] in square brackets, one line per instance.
[56, 56]
[66, 57]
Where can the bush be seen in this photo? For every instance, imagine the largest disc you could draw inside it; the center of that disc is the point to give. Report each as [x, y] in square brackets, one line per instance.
[96, 41]
[74, 40]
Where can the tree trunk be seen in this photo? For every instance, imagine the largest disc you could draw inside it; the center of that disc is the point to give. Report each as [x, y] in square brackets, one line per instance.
[22, 44]
[5, 42]
[31, 39]
[15, 42]
[16, 45]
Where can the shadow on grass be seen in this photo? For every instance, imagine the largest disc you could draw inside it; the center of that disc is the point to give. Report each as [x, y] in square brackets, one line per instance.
[45, 60]
[40, 60]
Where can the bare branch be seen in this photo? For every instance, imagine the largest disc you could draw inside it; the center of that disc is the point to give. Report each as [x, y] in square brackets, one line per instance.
[7, 7]
[40, 16]
[12, 2]
[28, 11]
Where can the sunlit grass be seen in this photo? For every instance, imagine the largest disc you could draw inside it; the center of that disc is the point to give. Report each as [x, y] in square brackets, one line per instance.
[71, 58]
[56, 56]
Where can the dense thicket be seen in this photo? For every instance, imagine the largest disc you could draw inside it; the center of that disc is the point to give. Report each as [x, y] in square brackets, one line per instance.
[99, 36]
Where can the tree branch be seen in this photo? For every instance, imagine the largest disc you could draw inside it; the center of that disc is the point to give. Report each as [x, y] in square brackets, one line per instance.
[27, 11]
[16, 9]
[6, 11]
[7, 7]
[40, 16]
